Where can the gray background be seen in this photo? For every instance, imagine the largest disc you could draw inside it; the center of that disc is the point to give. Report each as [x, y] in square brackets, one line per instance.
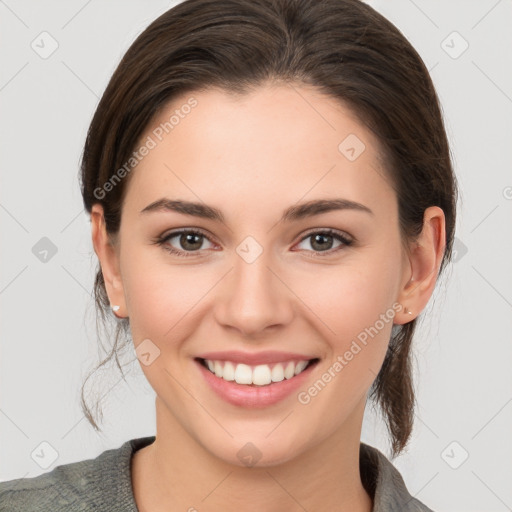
[463, 352]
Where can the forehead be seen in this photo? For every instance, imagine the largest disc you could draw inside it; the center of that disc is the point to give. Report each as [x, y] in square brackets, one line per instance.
[280, 143]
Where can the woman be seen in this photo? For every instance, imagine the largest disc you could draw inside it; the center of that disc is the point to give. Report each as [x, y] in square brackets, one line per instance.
[272, 201]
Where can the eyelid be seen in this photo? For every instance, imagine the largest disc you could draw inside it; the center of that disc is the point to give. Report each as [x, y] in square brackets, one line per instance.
[179, 231]
[329, 231]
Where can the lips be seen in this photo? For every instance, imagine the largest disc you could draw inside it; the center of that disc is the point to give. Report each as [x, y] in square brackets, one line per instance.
[255, 379]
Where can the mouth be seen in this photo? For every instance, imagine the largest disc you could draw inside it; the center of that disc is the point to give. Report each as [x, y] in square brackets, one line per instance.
[255, 379]
[260, 375]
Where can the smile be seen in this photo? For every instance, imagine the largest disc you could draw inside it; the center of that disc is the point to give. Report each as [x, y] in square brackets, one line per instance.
[255, 380]
[257, 375]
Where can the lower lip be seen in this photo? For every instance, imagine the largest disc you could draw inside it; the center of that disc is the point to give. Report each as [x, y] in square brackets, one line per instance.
[254, 396]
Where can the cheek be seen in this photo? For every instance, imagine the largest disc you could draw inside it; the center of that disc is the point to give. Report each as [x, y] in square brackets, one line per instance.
[351, 296]
[356, 319]
[353, 306]
[161, 297]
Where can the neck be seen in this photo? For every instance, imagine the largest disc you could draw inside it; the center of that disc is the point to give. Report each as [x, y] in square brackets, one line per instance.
[176, 473]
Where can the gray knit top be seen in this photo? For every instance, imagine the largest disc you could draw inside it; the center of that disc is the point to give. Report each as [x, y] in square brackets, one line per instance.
[104, 484]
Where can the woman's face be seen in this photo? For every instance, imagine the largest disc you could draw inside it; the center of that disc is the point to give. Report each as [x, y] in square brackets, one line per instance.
[260, 288]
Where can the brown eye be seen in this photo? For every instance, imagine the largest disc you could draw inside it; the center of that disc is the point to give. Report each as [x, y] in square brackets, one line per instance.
[190, 241]
[323, 241]
[187, 242]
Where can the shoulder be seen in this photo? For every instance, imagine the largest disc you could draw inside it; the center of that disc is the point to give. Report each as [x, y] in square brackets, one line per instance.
[78, 486]
[63, 488]
[385, 483]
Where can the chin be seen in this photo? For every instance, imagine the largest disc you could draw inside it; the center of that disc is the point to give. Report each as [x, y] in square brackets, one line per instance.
[257, 450]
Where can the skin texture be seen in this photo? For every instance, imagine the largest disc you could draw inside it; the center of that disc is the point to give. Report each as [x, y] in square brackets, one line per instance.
[252, 157]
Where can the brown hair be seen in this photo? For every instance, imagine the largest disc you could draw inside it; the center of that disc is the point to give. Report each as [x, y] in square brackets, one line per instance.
[346, 50]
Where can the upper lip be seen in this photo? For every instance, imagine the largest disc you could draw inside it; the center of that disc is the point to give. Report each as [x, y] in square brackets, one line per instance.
[255, 358]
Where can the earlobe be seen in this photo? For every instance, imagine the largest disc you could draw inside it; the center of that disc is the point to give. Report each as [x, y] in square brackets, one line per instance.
[109, 260]
[425, 257]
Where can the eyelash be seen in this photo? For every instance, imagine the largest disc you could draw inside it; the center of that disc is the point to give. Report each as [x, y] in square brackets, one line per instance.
[162, 241]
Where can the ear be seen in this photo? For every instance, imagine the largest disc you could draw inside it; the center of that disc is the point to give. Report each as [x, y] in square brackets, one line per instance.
[108, 254]
[423, 262]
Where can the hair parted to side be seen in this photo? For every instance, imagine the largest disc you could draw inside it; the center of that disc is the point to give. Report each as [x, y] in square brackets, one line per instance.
[346, 50]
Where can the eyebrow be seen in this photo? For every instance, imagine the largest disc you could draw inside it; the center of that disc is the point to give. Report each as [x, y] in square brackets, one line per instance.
[292, 213]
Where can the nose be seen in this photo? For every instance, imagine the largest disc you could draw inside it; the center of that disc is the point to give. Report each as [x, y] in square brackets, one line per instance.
[254, 298]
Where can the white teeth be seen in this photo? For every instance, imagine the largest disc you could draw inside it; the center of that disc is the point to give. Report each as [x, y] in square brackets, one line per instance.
[218, 368]
[260, 375]
[243, 374]
[300, 366]
[229, 371]
[289, 371]
[277, 373]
